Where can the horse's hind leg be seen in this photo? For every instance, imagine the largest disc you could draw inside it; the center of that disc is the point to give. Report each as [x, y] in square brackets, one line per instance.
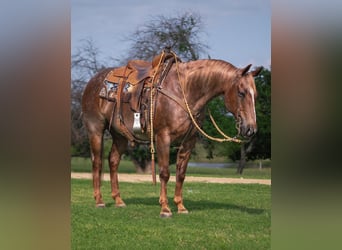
[183, 157]
[96, 144]
[95, 128]
[118, 148]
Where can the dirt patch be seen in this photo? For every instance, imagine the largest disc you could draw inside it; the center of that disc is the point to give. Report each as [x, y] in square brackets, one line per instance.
[148, 178]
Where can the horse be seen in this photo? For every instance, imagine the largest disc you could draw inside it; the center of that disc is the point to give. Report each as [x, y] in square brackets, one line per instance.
[194, 82]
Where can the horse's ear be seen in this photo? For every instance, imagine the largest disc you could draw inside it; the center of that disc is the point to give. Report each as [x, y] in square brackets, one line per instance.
[245, 69]
[257, 71]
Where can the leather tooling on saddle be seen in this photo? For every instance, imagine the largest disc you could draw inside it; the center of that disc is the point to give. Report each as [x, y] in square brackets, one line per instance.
[109, 90]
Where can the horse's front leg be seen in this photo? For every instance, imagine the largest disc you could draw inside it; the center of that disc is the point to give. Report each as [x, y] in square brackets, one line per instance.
[163, 151]
[118, 148]
[183, 157]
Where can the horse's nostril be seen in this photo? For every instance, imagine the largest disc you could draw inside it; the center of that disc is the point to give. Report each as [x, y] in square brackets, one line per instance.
[250, 132]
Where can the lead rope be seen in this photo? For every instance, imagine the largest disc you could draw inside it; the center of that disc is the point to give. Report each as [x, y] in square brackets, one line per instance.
[226, 137]
[220, 131]
[153, 169]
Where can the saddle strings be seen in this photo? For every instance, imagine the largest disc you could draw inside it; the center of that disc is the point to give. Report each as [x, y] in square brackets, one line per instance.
[153, 169]
[226, 137]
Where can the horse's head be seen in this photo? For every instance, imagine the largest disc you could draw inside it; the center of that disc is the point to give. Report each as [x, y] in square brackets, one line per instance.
[240, 101]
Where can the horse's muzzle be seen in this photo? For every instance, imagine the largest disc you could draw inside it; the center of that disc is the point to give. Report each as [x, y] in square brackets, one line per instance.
[248, 131]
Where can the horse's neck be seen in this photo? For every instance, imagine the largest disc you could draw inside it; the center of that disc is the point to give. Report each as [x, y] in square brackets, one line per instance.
[206, 79]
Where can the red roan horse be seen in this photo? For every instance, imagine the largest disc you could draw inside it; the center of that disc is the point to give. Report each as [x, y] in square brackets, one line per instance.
[201, 80]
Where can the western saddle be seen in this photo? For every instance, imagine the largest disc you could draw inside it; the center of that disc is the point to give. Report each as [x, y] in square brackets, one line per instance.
[132, 84]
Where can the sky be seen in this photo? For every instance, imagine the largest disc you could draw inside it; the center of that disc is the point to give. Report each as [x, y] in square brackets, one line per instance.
[237, 31]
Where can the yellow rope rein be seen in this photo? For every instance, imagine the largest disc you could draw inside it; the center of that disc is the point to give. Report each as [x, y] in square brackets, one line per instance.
[226, 137]
[221, 132]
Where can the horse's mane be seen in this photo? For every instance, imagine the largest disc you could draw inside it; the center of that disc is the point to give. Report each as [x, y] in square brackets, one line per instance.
[208, 68]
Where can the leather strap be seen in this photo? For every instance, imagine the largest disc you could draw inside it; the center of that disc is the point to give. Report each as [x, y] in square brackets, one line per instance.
[173, 97]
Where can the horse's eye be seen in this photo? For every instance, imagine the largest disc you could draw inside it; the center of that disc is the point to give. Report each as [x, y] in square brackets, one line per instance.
[241, 94]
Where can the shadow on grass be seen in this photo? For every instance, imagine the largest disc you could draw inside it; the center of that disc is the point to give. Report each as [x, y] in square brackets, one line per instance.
[211, 205]
[192, 205]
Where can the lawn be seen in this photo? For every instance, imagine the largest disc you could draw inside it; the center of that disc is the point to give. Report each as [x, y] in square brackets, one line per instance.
[222, 216]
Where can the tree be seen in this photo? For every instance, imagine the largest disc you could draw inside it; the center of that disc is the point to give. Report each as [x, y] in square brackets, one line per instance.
[84, 64]
[263, 110]
[182, 33]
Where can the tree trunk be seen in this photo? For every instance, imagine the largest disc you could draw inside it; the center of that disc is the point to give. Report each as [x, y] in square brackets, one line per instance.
[242, 162]
[244, 150]
[260, 165]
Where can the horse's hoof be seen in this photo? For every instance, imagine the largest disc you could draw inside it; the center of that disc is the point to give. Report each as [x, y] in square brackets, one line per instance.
[183, 211]
[165, 214]
[120, 205]
[101, 205]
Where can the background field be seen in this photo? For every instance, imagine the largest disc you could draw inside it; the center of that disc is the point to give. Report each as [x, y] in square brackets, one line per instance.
[79, 164]
[222, 216]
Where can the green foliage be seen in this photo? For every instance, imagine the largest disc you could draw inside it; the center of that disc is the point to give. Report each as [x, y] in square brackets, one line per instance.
[261, 148]
[226, 123]
[142, 155]
[221, 217]
[80, 148]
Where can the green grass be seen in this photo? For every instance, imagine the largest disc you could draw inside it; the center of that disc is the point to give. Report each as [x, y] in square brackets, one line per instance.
[79, 164]
[222, 216]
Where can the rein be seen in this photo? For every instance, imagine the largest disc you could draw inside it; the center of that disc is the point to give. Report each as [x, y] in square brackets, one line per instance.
[226, 137]
[152, 150]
